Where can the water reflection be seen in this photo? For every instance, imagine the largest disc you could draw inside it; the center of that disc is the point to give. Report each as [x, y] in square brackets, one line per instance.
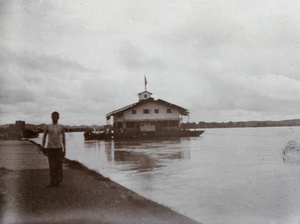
[97, 147]
[139, 156]
[145, 144]
[138, 161]
[109, 145]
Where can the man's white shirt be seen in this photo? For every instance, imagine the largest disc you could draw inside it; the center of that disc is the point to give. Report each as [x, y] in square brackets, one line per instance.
[55, 132]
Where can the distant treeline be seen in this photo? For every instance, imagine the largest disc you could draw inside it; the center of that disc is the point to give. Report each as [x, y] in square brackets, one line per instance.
[189, 125]
[84, 128]
[68, 128]
[241, 124]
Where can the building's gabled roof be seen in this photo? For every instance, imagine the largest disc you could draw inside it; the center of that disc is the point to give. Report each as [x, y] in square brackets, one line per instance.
[145, 92]
[182, 110]
[128, 107]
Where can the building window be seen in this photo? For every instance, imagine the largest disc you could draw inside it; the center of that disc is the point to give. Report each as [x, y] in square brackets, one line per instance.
[163, 123]
[134, 111]
[173, 123]
[169, 111]
[130, 124]
[119, 125]
[156, 111]
[146, 111]
[145, 96]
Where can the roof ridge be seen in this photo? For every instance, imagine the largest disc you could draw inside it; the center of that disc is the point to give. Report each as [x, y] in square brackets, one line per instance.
[182, 110]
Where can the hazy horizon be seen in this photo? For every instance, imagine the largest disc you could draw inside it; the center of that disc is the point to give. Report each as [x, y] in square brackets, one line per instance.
[197, 122]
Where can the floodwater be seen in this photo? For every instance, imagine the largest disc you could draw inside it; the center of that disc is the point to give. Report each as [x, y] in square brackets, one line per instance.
[224, 176]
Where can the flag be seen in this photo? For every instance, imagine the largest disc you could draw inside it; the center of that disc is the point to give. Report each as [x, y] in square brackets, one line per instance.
[145, 83]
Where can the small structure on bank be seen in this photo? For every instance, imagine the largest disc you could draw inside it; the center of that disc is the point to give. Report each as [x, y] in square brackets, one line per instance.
[17, 131]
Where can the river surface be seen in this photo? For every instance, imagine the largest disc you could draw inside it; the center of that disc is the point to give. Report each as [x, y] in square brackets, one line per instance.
[224, 176]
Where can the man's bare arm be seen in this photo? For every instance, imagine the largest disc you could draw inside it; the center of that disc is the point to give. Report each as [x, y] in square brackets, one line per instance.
[44, 141]
[64, 140]
[44, 137]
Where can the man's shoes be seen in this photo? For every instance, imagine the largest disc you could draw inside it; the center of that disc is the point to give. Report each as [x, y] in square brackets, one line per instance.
[58, 184]
[50, 185]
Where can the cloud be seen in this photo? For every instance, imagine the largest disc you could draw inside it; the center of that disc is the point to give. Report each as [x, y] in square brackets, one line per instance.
[259, 97]
[32, 60]
[134, 57]
[221, 60]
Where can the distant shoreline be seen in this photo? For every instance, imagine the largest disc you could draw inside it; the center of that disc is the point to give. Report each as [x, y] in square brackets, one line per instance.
[187, 125]
[242, 124]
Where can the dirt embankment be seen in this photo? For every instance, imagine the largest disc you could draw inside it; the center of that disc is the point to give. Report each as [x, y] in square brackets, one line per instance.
[85, 195]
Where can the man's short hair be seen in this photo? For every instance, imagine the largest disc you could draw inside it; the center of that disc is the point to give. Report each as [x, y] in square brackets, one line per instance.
[55, 113]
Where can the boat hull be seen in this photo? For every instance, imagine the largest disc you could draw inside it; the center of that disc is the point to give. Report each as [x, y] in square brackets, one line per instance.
[97, 136]
[142, 135]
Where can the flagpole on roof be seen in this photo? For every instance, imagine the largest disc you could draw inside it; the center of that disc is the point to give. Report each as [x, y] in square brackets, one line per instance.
[145, 82]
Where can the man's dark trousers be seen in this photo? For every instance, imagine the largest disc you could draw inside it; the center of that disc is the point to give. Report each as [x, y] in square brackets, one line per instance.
[55, 158]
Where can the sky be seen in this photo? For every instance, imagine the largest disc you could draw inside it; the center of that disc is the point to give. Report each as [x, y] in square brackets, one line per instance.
[223, 60]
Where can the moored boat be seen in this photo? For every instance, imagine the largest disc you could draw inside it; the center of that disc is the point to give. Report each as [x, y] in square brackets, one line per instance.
[190, 133]
[158, 134]
[98, 135]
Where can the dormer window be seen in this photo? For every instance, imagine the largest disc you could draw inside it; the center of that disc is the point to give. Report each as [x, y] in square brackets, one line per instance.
[144, 95]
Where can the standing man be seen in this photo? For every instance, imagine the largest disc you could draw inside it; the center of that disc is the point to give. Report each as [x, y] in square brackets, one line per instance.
[56, 149]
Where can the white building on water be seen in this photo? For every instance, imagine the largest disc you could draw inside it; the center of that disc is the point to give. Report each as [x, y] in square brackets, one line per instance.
[148, 118]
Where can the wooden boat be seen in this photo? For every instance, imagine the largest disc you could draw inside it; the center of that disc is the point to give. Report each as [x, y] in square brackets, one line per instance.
[98, 135]
[190, 133]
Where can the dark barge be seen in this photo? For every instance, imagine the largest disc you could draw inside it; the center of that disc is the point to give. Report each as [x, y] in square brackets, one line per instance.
[102, 135]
